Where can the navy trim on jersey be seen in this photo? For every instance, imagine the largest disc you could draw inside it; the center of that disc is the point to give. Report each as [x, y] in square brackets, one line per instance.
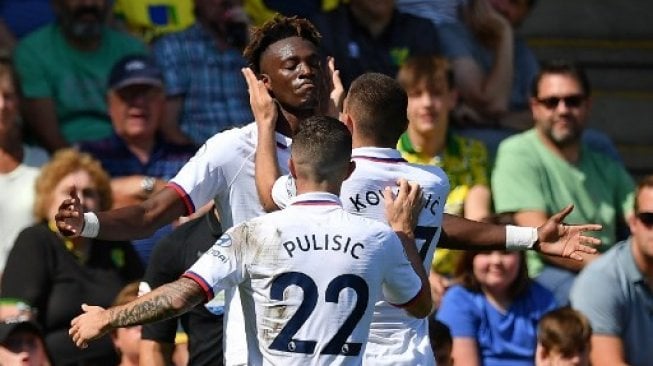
[380, 160]
[409, 302]
[315, 203]
[208, 291]
[188, 202]
[281, 145]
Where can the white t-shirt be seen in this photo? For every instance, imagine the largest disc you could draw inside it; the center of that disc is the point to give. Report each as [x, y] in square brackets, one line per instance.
[223, 168]
[395, 337]
[308, 278]
[17, 195]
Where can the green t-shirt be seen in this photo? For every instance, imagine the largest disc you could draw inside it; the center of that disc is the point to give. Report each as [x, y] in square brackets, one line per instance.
[48, 67]
[527, 176]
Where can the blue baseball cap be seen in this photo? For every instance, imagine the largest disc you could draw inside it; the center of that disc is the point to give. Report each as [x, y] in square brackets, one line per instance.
[135, 70]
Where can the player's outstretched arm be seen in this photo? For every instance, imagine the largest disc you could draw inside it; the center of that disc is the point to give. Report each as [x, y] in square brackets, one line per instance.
[127, 223]
[402, 212]
[167, 301]
[552, 238]
[265, 114]
[567, 241]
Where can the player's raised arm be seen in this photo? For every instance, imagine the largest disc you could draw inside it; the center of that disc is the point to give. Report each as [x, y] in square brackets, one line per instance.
[265, 113]
[167, 301]
[552, 238]
[402, 212]
[127, 223]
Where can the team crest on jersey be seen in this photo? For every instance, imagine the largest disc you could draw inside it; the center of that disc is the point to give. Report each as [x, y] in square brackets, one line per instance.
[224, 241]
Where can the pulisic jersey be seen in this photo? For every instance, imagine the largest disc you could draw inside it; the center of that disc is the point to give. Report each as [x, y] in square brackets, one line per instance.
[395, 337]
[308, 277]
[223, 168]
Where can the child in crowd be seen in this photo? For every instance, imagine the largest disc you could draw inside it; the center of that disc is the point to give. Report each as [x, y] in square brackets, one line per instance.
[563, 339]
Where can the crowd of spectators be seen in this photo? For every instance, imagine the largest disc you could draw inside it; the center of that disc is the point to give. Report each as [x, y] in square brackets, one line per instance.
[108, 100]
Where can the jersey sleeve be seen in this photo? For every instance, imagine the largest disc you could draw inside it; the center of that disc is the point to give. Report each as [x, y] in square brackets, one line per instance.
[457, 312]
[401, 284]
[283, 191]
[222, 266]
[204, 175]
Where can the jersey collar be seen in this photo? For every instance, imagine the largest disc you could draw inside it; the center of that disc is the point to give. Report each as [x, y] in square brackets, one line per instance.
[381, 154]
[316, 199]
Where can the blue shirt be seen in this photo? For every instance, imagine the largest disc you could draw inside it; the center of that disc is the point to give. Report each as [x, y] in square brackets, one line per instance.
[208, 79]
[164, 163]
[623, 307]
[504, 339]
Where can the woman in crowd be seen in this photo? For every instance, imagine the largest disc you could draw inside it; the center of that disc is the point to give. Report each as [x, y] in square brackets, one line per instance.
[494, 310]
[55, 275]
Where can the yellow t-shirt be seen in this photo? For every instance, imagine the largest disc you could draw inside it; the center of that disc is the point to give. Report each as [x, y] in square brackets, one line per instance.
[466, 163]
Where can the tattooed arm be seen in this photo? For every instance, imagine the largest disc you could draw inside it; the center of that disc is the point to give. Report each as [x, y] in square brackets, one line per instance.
[167, 301]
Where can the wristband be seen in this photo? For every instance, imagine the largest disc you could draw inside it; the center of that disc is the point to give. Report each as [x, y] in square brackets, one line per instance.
[91, 225]
[520, 238]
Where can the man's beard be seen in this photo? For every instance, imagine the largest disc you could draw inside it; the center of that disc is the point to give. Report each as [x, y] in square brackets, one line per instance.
[567, 138]
[80, 29]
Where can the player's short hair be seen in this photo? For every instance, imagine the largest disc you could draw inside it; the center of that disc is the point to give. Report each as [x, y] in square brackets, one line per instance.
[431, 71]
[378, 104]
[274, 30]
[465, 275]
[564, 330]
[561, 67]
[64, 162]
[321, 149]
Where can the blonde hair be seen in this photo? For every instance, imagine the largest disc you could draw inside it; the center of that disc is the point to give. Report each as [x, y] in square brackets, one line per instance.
[64, 162]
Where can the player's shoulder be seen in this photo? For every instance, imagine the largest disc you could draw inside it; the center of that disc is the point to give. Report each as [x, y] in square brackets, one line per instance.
[231, 140]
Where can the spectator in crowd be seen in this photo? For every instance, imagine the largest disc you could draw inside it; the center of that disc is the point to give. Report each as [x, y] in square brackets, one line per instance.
[20, 17]
[441, 342]
[616, 291]
[492, 67]
[136, 156]
[63, 69]
[371, 35]
[437, 11]
[563, 339]
[171, 257]
[150, 19]
[201, 66]
[19, 165]
[21, 343]
[493, 312]
[126, 340]
[62, 272]
[548, 166]
[430, 140]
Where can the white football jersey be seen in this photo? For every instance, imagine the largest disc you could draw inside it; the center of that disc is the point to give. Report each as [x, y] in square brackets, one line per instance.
[223, 168]
[395, 337]
[308, 278]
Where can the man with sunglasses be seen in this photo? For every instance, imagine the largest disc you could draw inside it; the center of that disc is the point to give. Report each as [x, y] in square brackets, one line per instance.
[621, 312]
[540, 170]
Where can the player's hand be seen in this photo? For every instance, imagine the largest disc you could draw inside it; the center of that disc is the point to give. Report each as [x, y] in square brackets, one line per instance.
[91, 325]
[568, 241]
[70, 217]
[337, 93]
[403, 210]
[263, 105]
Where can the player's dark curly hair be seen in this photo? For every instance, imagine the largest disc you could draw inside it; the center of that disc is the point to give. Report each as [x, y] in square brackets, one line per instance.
[274, 30]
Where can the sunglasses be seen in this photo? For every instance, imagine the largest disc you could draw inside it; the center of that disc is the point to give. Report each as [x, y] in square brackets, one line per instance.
[645, 217]
[571, 101]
